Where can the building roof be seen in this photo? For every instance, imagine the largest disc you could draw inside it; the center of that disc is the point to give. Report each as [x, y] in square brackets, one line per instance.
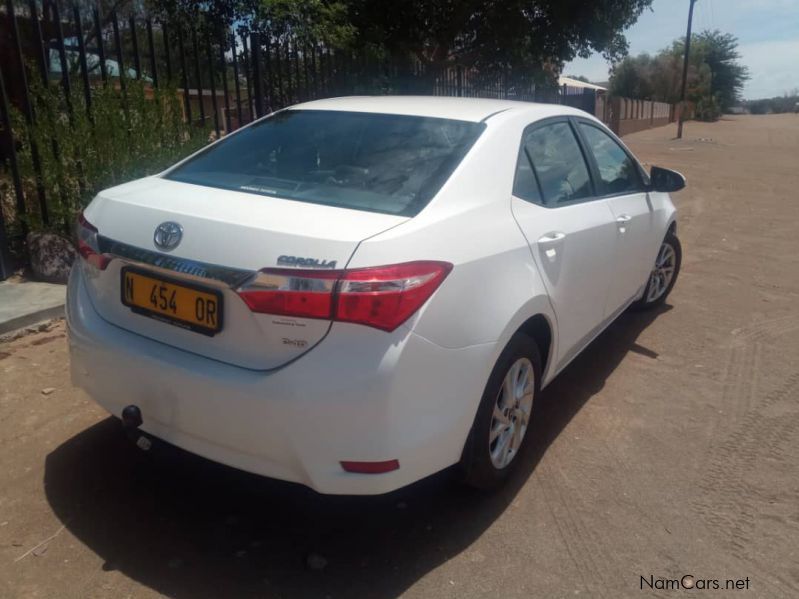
[568, 81]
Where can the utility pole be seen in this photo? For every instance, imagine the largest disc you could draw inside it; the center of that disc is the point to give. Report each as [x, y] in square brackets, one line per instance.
[685, 70]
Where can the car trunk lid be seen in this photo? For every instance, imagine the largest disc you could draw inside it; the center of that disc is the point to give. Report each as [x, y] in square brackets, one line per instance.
[227, 236]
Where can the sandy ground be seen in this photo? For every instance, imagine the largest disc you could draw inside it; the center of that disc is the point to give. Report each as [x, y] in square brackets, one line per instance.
[670, 447]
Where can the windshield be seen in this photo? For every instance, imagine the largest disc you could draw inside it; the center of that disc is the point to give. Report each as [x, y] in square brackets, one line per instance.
[377, 162]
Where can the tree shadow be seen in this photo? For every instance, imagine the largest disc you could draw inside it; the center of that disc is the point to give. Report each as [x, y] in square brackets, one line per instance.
[187, 527]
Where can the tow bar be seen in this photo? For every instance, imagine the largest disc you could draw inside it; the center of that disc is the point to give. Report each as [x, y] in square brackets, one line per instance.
[131, 421]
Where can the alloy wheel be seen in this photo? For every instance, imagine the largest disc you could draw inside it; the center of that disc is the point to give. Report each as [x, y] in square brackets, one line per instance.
[511, 415]
[662, 273]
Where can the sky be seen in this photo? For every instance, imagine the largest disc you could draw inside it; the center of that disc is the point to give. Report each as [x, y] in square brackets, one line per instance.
[767, 31]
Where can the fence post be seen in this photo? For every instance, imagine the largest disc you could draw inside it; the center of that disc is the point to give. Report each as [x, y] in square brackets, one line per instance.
[5, 253]
[316, 87]
[212, 70]
[298, 83]
[287, 64]
[151, 48]
[276, 96]
[185, 75]
[135, 40]
[615, 116]
[100, 46]
[62, 55]
[306, 71]
[255, 47]
[225, 90]
[245, 54]
[167, 57]
[28, 108]
[460, 80]
[39, 45]
[84, 67]
[198, 75]
[236, 81]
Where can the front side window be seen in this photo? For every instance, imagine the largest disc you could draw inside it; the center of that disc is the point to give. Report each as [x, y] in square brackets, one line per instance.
[385, 163]
[618, 174]
[558, 163]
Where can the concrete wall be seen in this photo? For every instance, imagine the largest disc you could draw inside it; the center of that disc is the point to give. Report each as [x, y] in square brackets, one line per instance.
[624, 115]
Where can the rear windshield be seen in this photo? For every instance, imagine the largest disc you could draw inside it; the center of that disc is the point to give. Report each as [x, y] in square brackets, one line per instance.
[377, 162]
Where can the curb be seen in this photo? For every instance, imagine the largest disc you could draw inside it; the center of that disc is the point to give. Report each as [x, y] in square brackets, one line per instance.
[27, 320]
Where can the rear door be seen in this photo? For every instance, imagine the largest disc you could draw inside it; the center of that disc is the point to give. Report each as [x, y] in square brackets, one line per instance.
[571, 233]
[619, 181]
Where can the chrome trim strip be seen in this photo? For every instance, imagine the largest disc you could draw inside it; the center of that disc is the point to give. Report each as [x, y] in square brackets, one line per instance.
[233, 277]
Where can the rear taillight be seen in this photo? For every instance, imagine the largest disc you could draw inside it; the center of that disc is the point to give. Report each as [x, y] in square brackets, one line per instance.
[88, 245]
[304, 293]
[382, 297]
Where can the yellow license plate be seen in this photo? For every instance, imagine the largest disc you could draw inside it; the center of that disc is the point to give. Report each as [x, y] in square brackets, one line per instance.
[183, 304]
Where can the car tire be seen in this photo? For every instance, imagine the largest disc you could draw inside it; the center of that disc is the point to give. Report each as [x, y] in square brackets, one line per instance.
[481, 464]
[670, 255]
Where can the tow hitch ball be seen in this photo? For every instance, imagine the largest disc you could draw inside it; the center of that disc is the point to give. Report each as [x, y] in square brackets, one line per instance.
[131, 421]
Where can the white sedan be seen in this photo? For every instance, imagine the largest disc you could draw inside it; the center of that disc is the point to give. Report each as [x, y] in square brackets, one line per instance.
[355, 293]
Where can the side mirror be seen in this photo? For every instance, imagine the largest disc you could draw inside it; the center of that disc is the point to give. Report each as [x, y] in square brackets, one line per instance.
[665, 180]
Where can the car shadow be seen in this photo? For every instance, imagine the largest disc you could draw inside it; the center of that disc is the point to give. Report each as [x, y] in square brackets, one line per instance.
[187, 527]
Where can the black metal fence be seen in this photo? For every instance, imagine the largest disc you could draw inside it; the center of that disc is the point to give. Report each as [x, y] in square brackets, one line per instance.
[224, 80]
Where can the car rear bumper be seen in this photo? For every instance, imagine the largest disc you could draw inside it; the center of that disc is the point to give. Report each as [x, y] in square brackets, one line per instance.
[361, 395]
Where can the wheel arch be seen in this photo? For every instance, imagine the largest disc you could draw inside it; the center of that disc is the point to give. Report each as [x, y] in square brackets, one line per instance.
[537, 320]
[672, 228]
[539, 329]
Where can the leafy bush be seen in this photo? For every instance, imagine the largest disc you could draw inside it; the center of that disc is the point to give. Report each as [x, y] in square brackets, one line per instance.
[707, 109]
[122, 136]
[786, 103]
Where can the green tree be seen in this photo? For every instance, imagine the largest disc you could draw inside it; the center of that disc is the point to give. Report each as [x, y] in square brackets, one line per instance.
[788, 102]
[719, 51]
[534, 37]
[523, 34]
[632, 77]
[715, 77]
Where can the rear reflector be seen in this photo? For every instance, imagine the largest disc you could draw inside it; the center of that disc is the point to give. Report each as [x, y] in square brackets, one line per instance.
[371, 467]
[382, 297]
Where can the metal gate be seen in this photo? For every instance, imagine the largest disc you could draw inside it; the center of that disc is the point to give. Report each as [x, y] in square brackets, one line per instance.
[584, 99]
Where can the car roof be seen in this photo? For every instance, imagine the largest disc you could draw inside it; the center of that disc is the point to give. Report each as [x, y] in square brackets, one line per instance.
[464, 109]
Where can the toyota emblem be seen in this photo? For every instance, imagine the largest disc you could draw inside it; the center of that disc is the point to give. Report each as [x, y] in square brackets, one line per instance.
[167, 236]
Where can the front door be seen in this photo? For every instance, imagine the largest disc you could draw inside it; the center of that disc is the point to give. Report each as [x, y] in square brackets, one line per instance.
[618, 179]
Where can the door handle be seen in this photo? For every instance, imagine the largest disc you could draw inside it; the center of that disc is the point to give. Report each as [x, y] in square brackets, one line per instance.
[550, 238]
[623, 221]
[547, 242]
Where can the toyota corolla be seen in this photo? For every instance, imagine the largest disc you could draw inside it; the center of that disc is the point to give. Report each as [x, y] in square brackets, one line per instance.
[355, 293]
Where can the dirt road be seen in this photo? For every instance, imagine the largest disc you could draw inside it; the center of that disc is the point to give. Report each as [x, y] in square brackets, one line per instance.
[670, 447]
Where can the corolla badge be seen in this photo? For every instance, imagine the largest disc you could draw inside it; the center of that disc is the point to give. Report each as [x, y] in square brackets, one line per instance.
[167, 236]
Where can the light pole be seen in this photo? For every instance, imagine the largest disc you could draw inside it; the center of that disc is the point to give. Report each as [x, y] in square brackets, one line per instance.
[685, 70]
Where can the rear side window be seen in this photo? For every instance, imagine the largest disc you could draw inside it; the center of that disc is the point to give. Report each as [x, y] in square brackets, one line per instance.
[618, 173]
[558, 163]
[525, 185]
[376, 162]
